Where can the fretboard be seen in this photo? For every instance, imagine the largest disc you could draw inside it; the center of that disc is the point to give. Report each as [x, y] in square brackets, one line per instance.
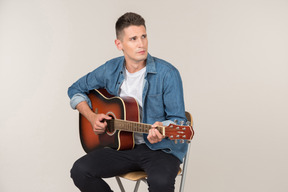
[131, 126]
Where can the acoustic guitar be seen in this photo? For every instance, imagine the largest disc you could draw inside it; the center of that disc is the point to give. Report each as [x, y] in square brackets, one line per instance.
[120, 129]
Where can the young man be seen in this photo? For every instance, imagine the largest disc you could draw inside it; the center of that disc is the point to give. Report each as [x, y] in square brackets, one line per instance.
[157, 87]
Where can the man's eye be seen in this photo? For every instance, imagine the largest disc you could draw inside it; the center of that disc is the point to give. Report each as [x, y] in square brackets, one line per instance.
[144, 36]
[133, 38]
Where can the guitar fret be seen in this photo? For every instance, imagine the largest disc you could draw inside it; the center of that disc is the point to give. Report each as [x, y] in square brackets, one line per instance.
[130, 126]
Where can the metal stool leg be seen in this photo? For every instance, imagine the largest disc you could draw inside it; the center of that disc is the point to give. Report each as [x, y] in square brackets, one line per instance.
[120, 184]
[138, 184]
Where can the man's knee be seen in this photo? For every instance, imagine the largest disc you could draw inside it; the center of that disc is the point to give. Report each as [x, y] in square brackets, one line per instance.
[78, 169]
[80, 173]
[77, 173]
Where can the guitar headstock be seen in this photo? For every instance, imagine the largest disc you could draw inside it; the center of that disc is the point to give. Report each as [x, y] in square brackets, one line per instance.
[179, 132]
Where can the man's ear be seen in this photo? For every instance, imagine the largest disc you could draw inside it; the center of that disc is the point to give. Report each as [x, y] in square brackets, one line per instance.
[118, 44]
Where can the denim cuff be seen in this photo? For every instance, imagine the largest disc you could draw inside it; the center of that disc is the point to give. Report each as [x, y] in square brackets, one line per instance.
[77, 98]
[167, 122]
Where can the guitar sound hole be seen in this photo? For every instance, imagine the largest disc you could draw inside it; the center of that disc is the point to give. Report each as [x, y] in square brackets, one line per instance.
[110, 125]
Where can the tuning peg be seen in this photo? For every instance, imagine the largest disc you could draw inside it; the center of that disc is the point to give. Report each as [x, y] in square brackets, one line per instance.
[175, 141]
[181, 122]
[181, 141]
[188, 141]
[188, 123]
[175, 121]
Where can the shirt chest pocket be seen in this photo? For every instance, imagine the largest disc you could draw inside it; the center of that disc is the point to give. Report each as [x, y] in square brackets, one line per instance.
[155, 106]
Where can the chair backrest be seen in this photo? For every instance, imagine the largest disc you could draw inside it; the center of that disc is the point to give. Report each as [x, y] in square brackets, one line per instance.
[189, 117]
[186, 158]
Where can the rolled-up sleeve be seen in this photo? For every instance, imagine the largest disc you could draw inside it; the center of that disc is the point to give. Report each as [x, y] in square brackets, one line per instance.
[79, 90]
[78, 98]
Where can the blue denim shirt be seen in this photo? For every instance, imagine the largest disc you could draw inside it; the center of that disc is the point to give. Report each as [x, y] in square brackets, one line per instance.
[162, 95]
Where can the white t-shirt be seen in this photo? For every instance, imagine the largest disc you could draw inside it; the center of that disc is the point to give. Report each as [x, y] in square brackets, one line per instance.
[132, 86]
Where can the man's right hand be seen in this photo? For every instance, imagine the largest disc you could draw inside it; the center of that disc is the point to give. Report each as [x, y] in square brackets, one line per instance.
[97, 120]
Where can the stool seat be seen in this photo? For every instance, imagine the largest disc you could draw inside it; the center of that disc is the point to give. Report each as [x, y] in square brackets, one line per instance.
[138, 175]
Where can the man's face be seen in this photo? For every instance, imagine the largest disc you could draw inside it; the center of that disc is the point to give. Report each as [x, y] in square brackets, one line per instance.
[134, 44]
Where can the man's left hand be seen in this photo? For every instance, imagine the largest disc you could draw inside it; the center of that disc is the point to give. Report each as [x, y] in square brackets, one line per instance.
[154, 135]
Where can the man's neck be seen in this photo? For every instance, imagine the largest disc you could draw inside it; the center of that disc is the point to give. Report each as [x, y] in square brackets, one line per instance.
[134, 67]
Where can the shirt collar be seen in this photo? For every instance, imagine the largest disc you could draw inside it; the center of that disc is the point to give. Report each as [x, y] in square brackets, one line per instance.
[150, 64]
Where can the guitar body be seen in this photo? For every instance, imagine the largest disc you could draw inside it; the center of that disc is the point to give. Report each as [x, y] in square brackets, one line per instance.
[117, 108]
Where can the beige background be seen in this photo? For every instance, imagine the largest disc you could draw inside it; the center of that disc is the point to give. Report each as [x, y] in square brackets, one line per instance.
[233, 59]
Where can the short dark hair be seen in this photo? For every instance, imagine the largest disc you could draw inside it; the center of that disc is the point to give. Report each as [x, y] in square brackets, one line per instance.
[127, 20]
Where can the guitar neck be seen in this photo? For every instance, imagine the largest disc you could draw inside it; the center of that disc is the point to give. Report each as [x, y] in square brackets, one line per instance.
[131, 126]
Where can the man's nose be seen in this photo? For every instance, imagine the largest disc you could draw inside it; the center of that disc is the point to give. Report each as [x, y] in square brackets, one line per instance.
[140, 42]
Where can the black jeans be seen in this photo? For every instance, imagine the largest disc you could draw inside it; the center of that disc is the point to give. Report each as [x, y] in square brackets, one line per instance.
[161, 168]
